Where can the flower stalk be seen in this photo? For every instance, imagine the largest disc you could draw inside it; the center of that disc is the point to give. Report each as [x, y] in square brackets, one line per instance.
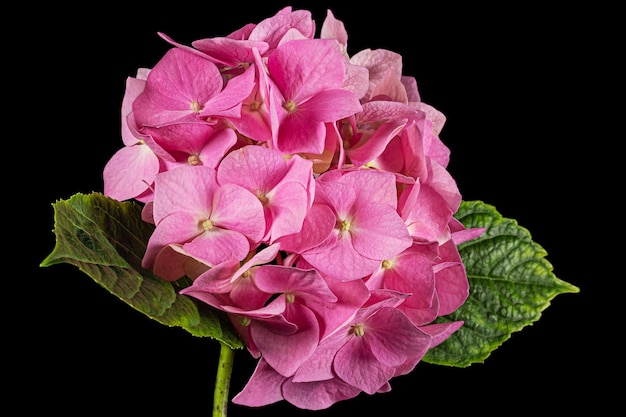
[222, 381]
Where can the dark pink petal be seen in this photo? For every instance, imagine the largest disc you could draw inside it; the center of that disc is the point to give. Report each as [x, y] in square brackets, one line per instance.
[263, 387]
[286, 352]
[392, 337]
[319, 366]
[441, 331]
[300, 134]
[375, 144]
[306, 285]
[183, 137]
[172, 263]
[351, 295]
[228, 51]
[355, 364]
[318, 395]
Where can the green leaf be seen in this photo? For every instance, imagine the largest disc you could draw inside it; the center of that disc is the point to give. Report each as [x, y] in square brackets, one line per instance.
[511, 283]
[106, 239]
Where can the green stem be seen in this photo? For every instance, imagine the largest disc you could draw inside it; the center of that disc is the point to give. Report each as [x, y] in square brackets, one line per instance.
[222, 381]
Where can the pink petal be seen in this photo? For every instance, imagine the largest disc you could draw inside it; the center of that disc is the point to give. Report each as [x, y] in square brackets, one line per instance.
[130, 172]
[218, 245]
[318, 395]
[302, 68]
[263, 387]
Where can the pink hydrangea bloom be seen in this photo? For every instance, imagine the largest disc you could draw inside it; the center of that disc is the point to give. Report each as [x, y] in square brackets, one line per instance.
[305, 194]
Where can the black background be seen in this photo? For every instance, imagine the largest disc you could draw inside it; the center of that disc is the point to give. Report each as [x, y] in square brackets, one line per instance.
[524, 133]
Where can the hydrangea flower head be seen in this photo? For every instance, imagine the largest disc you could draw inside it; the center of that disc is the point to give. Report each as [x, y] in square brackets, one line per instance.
[303, 193]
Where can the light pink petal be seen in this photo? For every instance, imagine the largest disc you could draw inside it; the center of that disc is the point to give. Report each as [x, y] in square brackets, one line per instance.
[188, 188]
[389, 87]
[218, 245]
[330, 106]
[316, 227]
[379, 232]
[443, 182]
[450, 280]
[217, 146]
[272, 29]
[237, 209]
[413, 274]
[410, 86]
[134, 87]
[178, 227]
[342, 261]
[426, 214]
[372, 186]
[333, 28]
[287, 206]
[176, 82]
[228, 102]
[356, 80]
[302, 68]
[253, 167]
[130, 172]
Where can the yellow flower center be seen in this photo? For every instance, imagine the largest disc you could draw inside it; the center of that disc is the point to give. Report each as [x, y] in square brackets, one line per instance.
[206, 224]
[290, 106]
[255, 105]
[194, 160]
[195, 106]
[357, 330]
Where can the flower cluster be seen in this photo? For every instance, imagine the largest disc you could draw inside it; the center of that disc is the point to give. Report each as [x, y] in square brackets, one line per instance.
[305, 194]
